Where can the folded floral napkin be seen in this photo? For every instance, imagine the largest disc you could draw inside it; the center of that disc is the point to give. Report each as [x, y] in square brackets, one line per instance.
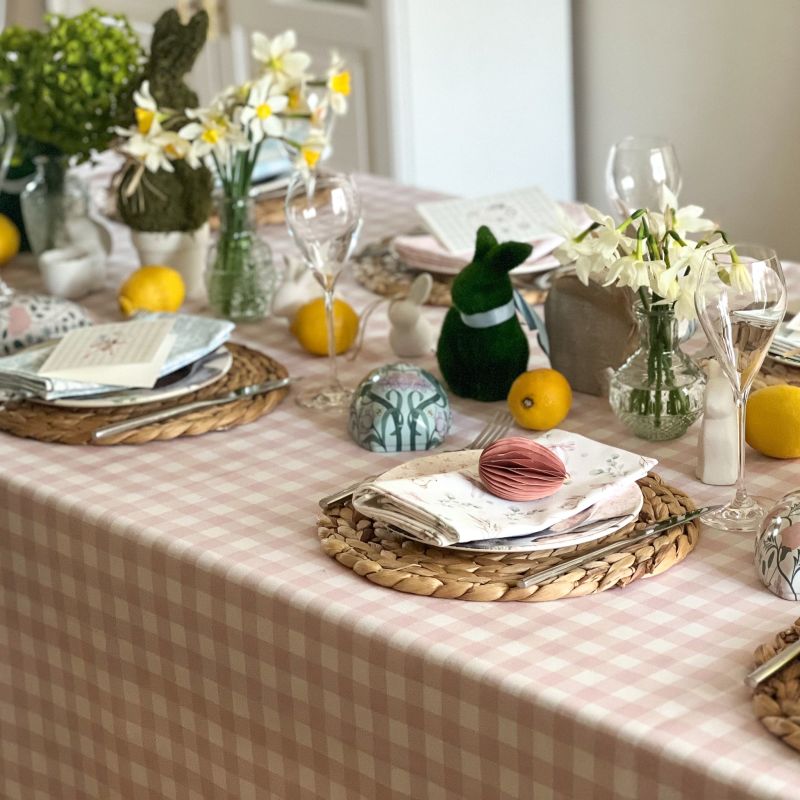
[194, 337]
[442, 499]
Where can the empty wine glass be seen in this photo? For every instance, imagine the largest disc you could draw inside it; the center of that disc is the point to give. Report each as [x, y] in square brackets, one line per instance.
[323, 212]
[638, 171]
[740, 303]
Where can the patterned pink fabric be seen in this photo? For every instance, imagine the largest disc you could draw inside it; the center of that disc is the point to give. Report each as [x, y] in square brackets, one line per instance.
[169, 628]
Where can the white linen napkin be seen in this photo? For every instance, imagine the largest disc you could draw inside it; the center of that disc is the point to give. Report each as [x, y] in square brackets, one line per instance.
[446, 503]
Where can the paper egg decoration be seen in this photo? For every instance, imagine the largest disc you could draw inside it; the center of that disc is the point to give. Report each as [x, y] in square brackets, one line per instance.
[520, 469]
[399, 407]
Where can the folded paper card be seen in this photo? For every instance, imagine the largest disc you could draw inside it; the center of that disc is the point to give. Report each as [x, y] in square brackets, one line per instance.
[521, 215]
[125, 354]
[447, 503]
[195, 337]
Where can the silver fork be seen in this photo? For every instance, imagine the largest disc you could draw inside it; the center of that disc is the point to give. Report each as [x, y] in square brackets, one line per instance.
[494, 429]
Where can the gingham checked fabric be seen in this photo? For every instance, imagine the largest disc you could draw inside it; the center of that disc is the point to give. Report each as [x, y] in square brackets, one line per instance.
[171, 629]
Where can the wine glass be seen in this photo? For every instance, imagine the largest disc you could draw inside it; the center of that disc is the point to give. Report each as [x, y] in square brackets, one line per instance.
[638, 171]
[740, 302]
[323, 212]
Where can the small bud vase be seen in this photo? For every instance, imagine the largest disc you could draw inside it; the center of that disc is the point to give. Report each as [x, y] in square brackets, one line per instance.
[658, 392]
[240, 278]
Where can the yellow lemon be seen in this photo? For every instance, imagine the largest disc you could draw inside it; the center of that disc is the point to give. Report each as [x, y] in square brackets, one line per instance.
[9, 240]
[152, 288]
[311, 331]
[540, 399]
[772, 425]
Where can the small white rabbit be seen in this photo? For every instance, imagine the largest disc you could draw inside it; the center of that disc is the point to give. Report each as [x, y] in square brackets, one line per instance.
[411, 334]
[718, 441]
[298, 287]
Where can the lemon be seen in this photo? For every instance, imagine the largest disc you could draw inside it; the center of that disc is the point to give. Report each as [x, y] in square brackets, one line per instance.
[152, 288]
[9, 240]
[311, 331]
[772, 424]
[540, 399]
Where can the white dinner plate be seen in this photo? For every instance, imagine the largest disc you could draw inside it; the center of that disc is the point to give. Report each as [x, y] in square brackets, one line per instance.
[181, 382]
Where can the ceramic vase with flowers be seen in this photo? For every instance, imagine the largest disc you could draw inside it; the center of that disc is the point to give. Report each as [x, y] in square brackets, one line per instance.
[658, 392]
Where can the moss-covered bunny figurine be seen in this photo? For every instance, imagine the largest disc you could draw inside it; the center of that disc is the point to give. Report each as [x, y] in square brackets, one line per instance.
[482, 347]
[179, 200]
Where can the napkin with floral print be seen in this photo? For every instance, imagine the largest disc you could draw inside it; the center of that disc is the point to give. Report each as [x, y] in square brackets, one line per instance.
[445, 502]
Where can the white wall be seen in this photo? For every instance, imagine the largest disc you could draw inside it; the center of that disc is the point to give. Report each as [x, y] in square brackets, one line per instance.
[720, 79]
[485, 94]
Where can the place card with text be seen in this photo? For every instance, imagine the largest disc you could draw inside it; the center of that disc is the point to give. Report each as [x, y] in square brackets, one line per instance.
[126, 354]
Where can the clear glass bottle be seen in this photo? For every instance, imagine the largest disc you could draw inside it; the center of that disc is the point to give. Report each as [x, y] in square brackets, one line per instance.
[52, 200]
[241, 279]
[658, 391]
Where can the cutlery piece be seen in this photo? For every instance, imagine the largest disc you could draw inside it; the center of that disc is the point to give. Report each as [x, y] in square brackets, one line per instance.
[157, 416]
[775, 664]
[565, 566]
[495, 429]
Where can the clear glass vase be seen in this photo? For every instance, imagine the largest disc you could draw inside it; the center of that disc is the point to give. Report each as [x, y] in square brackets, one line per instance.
[240, 279]
[658, 391]
[55, 204]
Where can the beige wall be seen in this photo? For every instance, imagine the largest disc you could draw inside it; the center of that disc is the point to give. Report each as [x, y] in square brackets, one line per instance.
[721, 79]
[24, 12]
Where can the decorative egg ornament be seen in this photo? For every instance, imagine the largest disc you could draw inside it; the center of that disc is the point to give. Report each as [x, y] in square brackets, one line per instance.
[520, 469]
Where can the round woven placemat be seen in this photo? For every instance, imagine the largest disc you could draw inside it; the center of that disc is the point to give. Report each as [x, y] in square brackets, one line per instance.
[75, 426]
[389, 560]
[776, 701]
[773, 373]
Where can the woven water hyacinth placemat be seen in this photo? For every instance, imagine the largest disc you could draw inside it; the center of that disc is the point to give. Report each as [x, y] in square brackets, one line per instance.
[773, 373]
[776, 701]
[389, 560]
[75, 426]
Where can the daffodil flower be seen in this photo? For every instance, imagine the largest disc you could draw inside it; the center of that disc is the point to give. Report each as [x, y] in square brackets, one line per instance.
[211, 133]
[145, 110]
[310, 151]
[338, 84]
[148, 152]
[259, 115]
[280, 59]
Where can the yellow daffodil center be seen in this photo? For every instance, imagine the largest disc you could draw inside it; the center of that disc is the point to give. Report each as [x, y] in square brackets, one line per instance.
[144, 119]
[276, 64]
[294, 98]
[171, 151]
[340, 83]
[311, 156]
[210, 135]
[263, 111]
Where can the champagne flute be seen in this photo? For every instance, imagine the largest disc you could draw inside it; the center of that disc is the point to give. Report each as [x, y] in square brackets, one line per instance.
[638, 171]
[740, 302]
[323, 213]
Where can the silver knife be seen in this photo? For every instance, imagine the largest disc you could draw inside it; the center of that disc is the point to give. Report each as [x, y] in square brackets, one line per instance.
[776, 663]
[176, 411]
[565, 566]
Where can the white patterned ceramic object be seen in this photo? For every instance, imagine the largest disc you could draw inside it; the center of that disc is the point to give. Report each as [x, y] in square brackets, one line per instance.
[29, 319]
[399, 407]
[777, 552]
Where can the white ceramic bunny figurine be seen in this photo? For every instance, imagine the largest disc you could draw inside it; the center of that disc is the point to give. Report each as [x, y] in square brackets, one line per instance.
[718, 442]
[298, 287]
[411, 334]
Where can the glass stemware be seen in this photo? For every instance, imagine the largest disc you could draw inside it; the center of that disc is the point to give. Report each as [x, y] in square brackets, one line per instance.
[740, 303]
[8, 140]
[638, 171]
[323, 213]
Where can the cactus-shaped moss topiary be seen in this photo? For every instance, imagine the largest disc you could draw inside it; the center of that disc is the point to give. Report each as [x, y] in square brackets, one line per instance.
[180, 200]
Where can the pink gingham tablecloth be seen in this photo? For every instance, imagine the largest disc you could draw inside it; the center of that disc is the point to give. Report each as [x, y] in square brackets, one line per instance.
[169, 627]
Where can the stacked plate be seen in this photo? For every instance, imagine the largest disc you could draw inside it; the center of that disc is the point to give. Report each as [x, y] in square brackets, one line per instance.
[785, 347]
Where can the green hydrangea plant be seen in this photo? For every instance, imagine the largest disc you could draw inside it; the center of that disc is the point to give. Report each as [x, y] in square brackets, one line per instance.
[72, 83]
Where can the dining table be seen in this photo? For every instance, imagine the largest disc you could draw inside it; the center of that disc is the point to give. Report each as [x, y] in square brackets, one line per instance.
[171, 628]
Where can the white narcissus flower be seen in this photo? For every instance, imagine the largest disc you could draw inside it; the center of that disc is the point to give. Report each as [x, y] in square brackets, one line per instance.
[279, 58]
[630, 271]
[259, 115]
[145, 110]
[338, 84]
[687, 219]
[147, 151]
[211, 134]
[311, 150]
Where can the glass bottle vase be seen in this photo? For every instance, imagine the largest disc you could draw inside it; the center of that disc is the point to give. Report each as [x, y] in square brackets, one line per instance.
[240, 278]
[55, 204]
[658, 392]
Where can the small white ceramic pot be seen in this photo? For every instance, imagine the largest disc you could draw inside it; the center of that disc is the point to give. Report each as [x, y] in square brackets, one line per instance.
[72, 272]
[183, 251]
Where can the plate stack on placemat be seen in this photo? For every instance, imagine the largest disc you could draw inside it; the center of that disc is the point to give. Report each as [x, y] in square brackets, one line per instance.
[75, 425]
[388, 559]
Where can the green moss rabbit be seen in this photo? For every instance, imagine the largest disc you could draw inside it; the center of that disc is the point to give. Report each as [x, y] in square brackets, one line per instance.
[482, 347]
[180, 200]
